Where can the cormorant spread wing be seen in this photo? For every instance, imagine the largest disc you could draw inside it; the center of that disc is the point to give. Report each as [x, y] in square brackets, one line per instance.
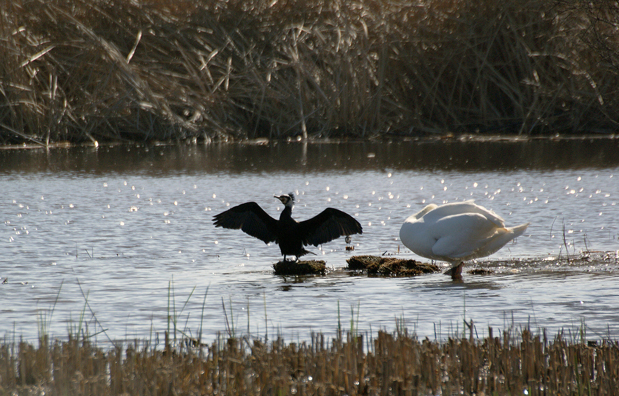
[250, 218]
[328, 225]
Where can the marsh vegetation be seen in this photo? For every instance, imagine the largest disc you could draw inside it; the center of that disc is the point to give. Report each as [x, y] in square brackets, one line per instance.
[86, 71]
[389, 364]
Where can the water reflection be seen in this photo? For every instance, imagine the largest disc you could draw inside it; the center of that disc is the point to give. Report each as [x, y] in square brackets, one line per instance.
[502, 155]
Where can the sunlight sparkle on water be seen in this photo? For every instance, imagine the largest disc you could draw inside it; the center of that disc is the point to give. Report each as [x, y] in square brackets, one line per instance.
[133, 265]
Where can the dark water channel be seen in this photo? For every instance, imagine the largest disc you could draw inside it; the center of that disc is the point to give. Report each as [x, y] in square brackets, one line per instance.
[93, 238]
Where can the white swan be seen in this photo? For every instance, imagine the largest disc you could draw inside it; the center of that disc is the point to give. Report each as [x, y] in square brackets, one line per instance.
[456, 232]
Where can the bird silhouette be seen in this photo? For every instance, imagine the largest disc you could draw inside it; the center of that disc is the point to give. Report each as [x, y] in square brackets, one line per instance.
[457, 232]
[289, 234]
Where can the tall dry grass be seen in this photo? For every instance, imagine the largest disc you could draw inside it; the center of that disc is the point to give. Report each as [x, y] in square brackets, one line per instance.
[83, 70]
[390, 364]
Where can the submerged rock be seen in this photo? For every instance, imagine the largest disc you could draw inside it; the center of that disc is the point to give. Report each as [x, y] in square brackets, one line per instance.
[311, 267]
[390, 266]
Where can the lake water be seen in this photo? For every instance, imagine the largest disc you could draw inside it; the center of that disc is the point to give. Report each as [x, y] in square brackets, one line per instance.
[118, 238]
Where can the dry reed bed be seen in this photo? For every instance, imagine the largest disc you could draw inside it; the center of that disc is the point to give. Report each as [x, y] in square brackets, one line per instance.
[397, 364]
[82, 70]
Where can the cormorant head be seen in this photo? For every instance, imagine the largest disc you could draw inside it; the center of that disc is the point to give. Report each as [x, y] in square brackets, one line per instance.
[287, 199]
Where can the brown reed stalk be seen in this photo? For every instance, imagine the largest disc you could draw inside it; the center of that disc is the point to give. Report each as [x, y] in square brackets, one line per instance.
[393, 364]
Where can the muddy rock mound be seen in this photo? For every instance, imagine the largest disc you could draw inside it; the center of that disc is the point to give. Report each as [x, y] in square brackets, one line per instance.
[390, 266]
[311, 267]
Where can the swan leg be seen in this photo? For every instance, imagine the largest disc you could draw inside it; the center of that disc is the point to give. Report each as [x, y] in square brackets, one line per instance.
[455, 272]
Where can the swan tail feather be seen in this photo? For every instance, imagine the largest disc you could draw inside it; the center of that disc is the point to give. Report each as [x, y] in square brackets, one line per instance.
[518, 230]
[501, 238]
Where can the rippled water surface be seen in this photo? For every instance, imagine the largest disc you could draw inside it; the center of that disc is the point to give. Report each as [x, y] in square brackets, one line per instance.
[123, 236]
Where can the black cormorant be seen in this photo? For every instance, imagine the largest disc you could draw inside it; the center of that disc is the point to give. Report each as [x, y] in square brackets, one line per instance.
[290, 234]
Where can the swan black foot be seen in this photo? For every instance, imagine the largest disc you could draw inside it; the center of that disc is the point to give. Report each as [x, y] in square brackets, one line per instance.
[455, 272]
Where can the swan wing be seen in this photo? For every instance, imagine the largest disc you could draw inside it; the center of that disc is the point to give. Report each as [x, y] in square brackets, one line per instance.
[421, 213]
[460, 236]
[461, 208]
